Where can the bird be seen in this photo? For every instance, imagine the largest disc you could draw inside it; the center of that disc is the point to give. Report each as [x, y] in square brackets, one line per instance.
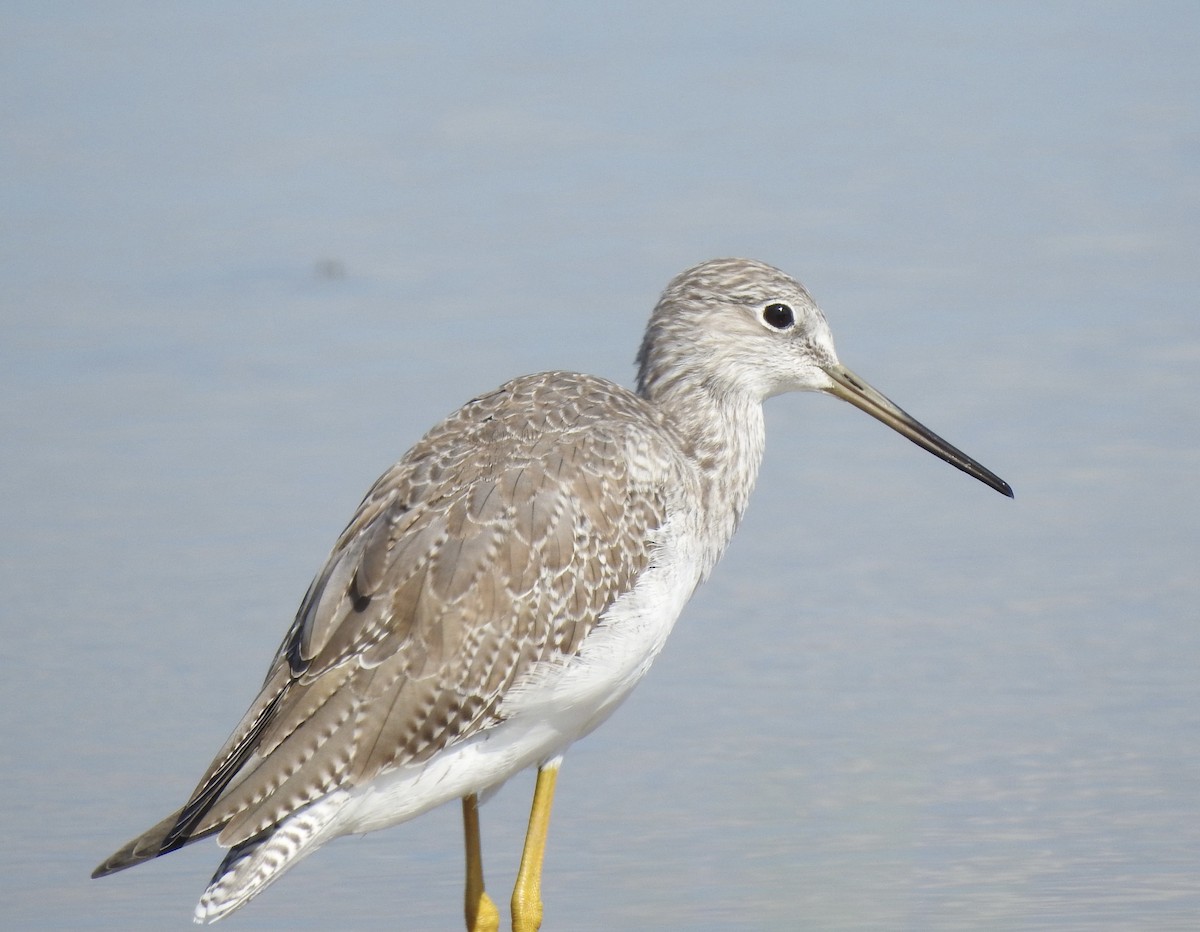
[505, 585]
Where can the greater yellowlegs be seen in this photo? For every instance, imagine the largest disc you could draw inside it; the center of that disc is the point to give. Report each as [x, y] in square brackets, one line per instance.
[506, 584]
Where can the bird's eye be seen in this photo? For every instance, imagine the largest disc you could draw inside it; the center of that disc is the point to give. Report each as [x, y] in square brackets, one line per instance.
[779, 316]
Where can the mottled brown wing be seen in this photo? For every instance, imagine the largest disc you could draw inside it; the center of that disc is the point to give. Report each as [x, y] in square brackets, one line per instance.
[474, 557]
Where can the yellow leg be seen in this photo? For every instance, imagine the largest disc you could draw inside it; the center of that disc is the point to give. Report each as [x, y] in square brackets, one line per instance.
[527, 894]
[482, 915]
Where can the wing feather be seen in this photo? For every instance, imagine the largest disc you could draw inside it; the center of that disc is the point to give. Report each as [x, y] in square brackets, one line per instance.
[495, 544]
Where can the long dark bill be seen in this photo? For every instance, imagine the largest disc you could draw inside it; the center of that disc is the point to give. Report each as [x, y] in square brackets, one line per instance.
[849, 387]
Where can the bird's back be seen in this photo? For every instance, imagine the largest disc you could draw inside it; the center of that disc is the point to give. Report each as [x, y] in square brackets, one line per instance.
[494, 545]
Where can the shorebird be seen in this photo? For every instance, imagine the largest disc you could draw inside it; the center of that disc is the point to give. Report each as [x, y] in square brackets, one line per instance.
[505, 585]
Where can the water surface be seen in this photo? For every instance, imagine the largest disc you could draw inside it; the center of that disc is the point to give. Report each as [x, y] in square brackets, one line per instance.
[251, 255]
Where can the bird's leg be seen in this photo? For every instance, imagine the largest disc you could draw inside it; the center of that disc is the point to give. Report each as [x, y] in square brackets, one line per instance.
[482, 915]
[527, 894]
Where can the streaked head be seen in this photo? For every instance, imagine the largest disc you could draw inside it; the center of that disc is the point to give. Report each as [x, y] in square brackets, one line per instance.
[739, 327]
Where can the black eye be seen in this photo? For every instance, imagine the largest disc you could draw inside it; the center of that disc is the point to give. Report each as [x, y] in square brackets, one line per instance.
[779, 316]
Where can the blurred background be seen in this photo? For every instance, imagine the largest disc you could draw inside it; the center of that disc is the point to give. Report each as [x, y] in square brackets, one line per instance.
[250, 252]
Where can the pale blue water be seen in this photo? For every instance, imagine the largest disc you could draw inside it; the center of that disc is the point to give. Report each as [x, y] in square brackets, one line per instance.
[248, 256]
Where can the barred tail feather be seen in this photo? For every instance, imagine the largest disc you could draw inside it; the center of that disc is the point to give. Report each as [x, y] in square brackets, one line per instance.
[252, 866]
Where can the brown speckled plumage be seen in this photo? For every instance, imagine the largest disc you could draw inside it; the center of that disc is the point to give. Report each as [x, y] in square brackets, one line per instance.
[429, 607]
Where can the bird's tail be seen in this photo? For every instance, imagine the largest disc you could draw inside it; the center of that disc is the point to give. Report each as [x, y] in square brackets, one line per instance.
[252, 866]
[150, 844]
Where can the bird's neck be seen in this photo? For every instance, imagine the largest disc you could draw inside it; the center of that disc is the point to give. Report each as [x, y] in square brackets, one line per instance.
[722, 435]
